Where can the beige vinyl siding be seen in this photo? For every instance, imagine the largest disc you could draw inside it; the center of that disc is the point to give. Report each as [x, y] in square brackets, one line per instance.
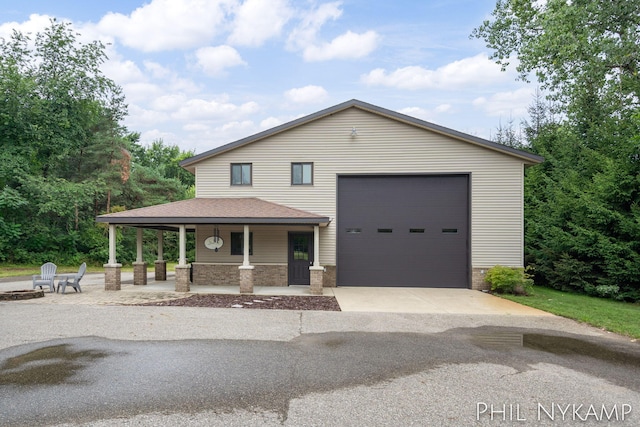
[382, 145]
[270, 244]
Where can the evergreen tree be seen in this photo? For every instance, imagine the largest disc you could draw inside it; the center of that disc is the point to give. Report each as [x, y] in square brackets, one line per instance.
[582, 223]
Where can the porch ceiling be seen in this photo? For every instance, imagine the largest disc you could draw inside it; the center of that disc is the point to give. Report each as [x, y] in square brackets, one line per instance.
[214, 211]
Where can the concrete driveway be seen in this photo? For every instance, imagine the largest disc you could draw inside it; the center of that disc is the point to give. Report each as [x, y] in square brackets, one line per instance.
[350, 299]
[428, 300]
[89, 359]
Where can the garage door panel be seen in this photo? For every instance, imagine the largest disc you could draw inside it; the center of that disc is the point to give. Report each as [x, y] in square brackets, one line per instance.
[403, 231]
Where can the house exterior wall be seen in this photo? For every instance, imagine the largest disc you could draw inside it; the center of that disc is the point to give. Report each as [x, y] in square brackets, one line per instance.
[381, 146]
[270, 244]
[270, 255]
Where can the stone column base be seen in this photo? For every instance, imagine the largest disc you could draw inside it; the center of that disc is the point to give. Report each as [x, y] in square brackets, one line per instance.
[246, 279]
[182, 278]
[477, 279]
[317, 275]
[161, 270]
[140, 273]
[112, 277]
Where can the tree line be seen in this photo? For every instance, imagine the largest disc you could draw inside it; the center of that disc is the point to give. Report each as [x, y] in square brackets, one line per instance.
[582, 205]
[65, 157]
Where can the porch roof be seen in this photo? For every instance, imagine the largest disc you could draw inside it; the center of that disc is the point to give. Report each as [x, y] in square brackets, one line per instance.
[214, 211]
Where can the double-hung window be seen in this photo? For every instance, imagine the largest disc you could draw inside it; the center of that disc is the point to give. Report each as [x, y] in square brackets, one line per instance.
[301, 173]
[241, 174]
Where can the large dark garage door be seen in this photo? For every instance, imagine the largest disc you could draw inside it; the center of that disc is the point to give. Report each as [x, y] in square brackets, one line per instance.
[408, 231]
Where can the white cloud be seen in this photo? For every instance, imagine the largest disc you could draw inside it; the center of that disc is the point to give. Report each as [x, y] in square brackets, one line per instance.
[123, 72]
[259, 20]
[476, 70]
[141, 92]
[214, 60]
[169, 138]
[170, 102]
[429, 115]
[306, 95]
[157, 71]
[236, 126]
[305, 33]
[195, 109]
[35, 24]
[270, 122]
[196, 127]
[141, 117]
[347, 46]
[420, 113]
[506, 104]
[167, 24]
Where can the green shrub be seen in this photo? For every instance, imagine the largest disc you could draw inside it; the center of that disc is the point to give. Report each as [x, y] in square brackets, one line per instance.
[512, 280]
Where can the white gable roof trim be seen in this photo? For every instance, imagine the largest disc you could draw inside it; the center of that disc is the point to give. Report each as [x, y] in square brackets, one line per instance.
[528, 158]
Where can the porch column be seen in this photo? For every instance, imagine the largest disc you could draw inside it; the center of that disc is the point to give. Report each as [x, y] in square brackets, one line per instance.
[160, 264]
[182, 269]
[316, 246]
[183, 245]
[316, 271]
[112, 270]
[139, 267]
[246, 269]
[246, 235]
[112, 244]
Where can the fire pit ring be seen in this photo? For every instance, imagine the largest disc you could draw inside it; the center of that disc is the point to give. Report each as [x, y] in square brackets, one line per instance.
[21, 294]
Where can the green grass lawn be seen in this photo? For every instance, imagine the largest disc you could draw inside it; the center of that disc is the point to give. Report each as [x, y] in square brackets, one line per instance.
[14, 270]
[614, 316]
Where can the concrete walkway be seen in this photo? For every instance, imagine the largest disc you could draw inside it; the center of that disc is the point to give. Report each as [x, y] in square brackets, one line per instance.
[350, 299]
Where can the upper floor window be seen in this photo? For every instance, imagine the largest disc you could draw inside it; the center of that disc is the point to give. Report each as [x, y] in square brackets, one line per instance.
[241, 174]
[301, 173]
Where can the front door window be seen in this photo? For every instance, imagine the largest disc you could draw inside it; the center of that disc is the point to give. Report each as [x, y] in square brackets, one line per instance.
[301, 248]
[300, 258]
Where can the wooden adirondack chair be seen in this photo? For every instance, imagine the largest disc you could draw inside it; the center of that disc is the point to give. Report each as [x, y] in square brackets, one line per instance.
[47, 274]
[72, 280]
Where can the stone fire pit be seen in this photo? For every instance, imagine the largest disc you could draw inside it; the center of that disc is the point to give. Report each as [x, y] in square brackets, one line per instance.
[21, 294]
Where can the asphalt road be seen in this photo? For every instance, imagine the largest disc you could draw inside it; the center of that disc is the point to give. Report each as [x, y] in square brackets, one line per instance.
[143, 366]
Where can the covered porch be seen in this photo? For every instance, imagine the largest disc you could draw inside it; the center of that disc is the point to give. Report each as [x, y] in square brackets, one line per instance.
[209, 215]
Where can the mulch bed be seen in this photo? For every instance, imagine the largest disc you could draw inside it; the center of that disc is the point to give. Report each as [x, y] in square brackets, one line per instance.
[283, 302]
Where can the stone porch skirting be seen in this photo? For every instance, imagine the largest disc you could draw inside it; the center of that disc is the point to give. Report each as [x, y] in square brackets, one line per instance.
[263, 274]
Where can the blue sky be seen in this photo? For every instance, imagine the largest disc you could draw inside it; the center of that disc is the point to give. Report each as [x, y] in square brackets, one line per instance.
[201, 73]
